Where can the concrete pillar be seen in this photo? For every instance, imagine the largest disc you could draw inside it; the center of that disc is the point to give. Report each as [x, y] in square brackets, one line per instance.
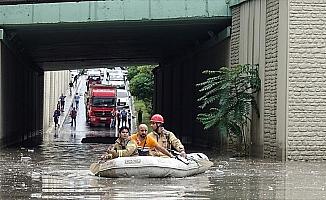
[20, 96]
[282, 83]
[187, 101]
[1, 91]
[176, 93]
[46, 104]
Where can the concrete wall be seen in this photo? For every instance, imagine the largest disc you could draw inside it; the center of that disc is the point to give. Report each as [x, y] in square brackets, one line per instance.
[21, 99]
[270, 83]
[1, 101]
[235, 36]
[28, 97]
[55, 84]
[293, 95]
[248, 46]
[176, 94]
[307, 81]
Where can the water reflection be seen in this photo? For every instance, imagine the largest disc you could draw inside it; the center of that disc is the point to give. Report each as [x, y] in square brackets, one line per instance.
[167, 188]
[58, 169]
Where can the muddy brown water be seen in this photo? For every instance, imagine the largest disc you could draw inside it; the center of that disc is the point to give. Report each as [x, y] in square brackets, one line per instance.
[59, 169]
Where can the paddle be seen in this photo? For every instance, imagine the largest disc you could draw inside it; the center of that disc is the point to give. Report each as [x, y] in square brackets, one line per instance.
[179, 157]
[182, 159]
[95, 167]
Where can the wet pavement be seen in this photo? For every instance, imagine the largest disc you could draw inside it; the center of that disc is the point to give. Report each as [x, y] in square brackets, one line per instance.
[59, 169]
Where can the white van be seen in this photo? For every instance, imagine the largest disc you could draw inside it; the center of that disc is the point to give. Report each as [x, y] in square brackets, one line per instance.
[122, 97]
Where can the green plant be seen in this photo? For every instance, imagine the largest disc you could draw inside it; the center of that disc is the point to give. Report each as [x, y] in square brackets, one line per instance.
[228, 99]
[139, 104]
[142, 84]
[132, 72]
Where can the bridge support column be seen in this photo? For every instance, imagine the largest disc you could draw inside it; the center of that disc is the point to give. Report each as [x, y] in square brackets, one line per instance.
[1, 109]
[21, 96]
[176, 92]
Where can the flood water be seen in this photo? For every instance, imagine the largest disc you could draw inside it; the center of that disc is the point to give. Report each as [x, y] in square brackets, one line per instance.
[59, 169]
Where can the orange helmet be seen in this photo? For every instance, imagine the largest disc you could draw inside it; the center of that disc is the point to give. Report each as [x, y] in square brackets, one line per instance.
[157, 118]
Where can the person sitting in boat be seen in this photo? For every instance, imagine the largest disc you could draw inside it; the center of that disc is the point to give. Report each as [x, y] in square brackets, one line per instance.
[144, 142]
[123, 146]
[164, 137]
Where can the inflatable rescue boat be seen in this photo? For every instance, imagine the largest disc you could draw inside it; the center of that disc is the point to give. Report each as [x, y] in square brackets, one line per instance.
[150, 166]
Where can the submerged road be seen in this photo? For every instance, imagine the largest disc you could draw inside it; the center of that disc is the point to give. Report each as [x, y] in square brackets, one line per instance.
[59, 169]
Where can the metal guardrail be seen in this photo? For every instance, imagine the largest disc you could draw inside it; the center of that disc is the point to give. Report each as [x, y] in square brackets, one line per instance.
[15, 2]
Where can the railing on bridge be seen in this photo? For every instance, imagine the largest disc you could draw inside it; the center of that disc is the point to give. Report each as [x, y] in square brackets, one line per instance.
[13, 2]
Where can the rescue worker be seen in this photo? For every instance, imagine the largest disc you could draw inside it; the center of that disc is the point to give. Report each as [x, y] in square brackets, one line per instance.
[143, 141]
[164, 137]
[123, 146]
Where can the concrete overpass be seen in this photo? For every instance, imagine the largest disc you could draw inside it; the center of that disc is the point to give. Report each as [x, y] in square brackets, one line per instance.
[181, 36]
[62, 35]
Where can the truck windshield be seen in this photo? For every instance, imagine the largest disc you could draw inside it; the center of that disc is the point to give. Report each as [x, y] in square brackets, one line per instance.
[103, 102]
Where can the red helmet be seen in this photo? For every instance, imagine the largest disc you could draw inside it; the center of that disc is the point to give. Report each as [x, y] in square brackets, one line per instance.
[157, 118]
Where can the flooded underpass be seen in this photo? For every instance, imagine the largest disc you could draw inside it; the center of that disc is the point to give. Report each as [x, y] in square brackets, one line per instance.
[59, 169]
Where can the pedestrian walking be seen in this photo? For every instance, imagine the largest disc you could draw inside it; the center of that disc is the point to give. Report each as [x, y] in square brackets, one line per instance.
[140, 116]
[129, 117]
[75, 79]
[71, 85]
[118, 118]
[58, 106]
[112, 125]
[62, 102]
[56, 116]
[123, 114]
[73, 115]
[76, 98]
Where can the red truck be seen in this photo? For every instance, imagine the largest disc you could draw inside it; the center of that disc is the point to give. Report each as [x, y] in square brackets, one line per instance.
[101, 104]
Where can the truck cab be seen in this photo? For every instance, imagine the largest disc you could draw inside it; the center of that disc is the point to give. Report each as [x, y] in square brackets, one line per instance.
[101, 104]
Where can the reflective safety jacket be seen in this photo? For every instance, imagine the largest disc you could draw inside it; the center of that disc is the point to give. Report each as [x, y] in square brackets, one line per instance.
[166, 140]
[124, 148]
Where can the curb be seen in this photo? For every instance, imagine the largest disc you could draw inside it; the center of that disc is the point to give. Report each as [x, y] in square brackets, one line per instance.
[66, 112]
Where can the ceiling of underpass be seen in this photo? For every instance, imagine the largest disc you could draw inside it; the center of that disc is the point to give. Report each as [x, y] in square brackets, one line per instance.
[87, 45]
